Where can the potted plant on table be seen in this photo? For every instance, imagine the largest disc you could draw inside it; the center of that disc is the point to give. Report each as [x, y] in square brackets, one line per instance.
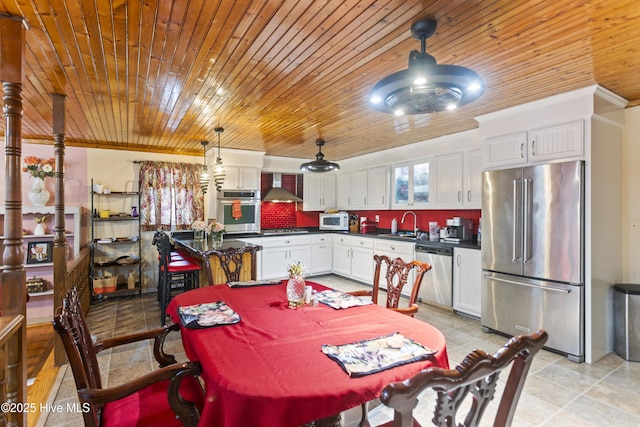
[199, 227]
[216, 230]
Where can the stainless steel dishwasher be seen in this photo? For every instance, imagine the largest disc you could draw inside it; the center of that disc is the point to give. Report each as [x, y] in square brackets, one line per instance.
[437, 283]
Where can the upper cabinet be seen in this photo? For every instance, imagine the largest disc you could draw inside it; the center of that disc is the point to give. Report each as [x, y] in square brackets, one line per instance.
[448, 180]
[457, 180]
[319, 192]
[562, 141]
[378, 188]
[241, 178]
[411, 185]
[363, 189]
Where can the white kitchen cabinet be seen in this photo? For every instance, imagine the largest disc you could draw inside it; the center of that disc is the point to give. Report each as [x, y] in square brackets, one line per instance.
[448, 180]
[509, 149]
[321, 253]
[467, 279]
[341, 255]
[458, 180]
[563, 141]
[378, 188]
[472, 177]
[410, 185]
[319, 192]
[362, 264]
[353, 257]
[343, 191]
[395, 249]
[241, 178]
[351, 190]
[279, 252]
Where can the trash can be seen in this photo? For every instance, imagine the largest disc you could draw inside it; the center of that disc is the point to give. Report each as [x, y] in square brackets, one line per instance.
[626, 321]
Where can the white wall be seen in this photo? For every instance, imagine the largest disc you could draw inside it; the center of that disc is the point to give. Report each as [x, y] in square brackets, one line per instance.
[631, 196]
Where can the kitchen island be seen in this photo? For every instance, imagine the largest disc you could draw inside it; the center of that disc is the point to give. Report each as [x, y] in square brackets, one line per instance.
[232, 260]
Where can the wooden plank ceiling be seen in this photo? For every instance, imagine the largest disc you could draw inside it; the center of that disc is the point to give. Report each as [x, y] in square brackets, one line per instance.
[159, 75]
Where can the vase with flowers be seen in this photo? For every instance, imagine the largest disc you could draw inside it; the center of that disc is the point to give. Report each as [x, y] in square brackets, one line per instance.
[199, 227]
[295, 284]
[39, 169]
[216, 231]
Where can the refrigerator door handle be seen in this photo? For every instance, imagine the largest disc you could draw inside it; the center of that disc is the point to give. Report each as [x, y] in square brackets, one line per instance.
[514, 282]
[526, 256]
[514, 222]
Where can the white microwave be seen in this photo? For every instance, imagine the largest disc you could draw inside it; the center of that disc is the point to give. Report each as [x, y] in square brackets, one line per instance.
[334, 221]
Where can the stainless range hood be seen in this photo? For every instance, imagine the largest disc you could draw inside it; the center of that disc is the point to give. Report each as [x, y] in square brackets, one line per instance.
[279, 194]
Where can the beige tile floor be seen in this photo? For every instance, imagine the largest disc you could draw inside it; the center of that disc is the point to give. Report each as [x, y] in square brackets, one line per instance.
[557, 393]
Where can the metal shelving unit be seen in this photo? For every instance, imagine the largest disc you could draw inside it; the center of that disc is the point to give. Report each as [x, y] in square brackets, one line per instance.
[116, 248]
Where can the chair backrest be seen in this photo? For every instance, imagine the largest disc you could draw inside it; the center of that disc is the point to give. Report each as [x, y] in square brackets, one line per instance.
[476, 377]
[396, 276]
[231, 263]
[162, 243]
[70, 324]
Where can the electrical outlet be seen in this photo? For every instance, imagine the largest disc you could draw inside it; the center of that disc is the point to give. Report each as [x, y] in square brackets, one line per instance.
[377, 218]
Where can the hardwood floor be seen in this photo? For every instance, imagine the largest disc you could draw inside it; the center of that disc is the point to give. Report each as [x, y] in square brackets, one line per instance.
[41, 372]
[39, 345]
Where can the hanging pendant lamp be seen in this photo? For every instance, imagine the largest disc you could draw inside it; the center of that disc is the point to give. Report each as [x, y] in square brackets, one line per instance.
[425, 87]
[218, 169]
[204, 176]
[319, 164]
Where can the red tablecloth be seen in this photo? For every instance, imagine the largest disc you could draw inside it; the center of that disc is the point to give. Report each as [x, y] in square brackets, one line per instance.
[269, 370]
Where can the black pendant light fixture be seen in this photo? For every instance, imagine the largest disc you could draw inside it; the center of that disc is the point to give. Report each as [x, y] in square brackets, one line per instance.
[204, 176]
[319, 164]
[218, 168]
[425, 87]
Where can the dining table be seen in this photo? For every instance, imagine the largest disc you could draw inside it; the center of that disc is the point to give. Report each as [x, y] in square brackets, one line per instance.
[269, 370]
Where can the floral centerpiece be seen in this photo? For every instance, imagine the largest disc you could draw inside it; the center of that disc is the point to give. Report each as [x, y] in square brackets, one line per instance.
[295, 284]
[216, 230]
[39, 169]
[199, 227]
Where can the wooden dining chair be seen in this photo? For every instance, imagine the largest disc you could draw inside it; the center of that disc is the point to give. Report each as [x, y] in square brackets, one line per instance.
[167, 396]
[475, 378]
[176, 273]
[396, 276]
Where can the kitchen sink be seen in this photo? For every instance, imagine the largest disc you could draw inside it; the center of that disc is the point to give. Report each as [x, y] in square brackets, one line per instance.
[399, 235]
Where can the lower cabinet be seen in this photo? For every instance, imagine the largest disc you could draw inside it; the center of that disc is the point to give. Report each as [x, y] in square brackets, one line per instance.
[353, 257]
[404, 250]
[467, 279]
[321, 254]
[279, 252]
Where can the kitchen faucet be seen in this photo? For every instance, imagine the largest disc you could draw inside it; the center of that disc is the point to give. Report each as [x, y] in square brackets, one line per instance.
[415, 221]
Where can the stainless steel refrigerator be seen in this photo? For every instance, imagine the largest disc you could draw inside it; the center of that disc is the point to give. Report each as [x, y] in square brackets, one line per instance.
[533, 253]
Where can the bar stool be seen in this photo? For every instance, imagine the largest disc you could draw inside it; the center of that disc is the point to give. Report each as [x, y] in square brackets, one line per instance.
[175, 274]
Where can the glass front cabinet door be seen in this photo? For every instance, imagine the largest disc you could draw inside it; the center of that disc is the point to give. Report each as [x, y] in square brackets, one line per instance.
[411, 185]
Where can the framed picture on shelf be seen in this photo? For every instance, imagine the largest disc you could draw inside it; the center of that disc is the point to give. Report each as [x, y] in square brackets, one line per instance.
[39, 252]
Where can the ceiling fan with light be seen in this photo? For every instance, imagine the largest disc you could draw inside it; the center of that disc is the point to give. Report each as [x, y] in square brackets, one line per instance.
[319, 164]
[425, 87]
